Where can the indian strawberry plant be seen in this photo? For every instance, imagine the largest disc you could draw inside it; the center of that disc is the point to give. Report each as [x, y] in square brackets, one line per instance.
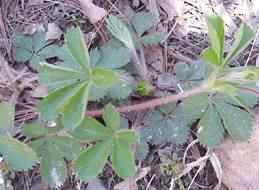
[215, 95]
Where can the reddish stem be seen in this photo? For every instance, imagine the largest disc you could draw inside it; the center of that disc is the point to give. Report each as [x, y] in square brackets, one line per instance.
[151, 103]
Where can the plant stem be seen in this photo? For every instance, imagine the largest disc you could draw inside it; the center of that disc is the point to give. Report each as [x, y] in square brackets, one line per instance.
[152, 103]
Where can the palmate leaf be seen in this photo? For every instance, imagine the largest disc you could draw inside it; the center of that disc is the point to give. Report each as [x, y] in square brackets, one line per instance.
[211, 132]
[18, 155]
[123, 159]
[77, 47]
[113, 55]
[120, 31]
[53, 150]
[7, 112]
[91, 130]
[91, 161]
[216, 35]
[111, 117]
[218, 113]
[34, 129]
[34, 48]
[73, 111]
[168, 124]
[109, 141]
[53, 168]
[242, 38]
[143, 21]
[153, 38]
[69, 85]
[237, 122]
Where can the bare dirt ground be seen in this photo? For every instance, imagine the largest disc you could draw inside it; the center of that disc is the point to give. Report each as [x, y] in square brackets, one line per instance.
[183, 21]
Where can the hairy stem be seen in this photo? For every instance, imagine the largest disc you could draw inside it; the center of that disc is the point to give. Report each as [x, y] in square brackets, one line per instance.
[152, 103]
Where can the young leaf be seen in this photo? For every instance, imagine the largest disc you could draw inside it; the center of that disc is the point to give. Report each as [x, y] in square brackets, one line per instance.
[91, 161]
[120, 31]
[111, 117]
[91, 130]
[122, 159]
[211, 131]
[103, 77]
[7, 113]
[242, 38]
[34, 49]
[143, 21]
[53, 168]
[210, 56]
[18, 155]
[76, 44]
[216, 35]
[74, 109]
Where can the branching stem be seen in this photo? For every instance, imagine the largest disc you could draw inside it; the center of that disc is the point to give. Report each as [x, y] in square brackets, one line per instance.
[162, 101]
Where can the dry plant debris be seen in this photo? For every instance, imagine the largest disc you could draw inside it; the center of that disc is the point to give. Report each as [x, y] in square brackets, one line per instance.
[182, 20]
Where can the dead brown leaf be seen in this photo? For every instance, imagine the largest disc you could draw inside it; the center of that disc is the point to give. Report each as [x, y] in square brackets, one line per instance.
[93, 12]
[54, 32]
[172, 7]
[240, 161]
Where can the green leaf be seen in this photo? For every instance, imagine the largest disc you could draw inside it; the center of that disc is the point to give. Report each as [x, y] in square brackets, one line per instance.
[54, 102]
[23, 41]
[111, 117]
[95, 56]
[237, 122]
[216, 35]
[143, 21]
[92, 130]
[242, 39]
[114, 55]
[120, 31]
[210, 56]
[103, 77]
[34, 129]
[74, 110]
[169, 124]
[67, 147]
[123, 159]
[211, 131]
[142, 150]
[76, 44]
[67, 59]
[123, 87]
[97, 93]
[18, 155]
[195, 106]
[154, 38]
[39, 41]
[7, 113]
[53, 168]
[127, 136]
[22, 55]
[57, 76]
[91, 161]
